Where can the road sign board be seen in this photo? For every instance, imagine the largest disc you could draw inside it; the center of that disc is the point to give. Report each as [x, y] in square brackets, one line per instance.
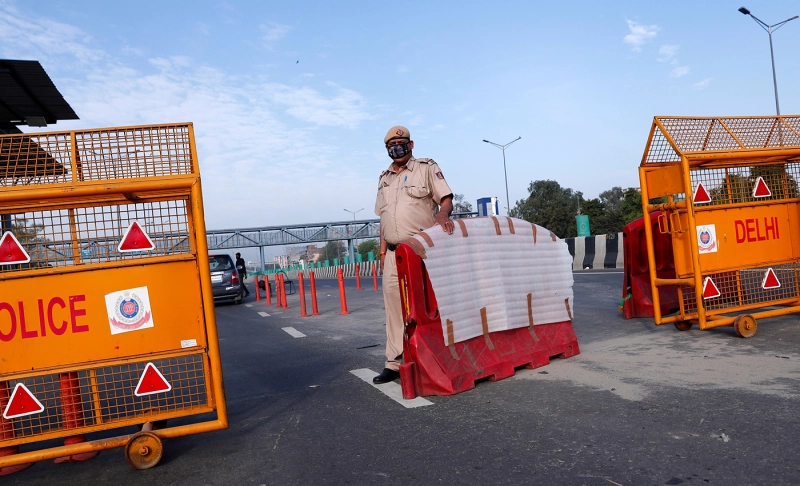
[22, 403]
[135, 239]
[151, 382]
[11, 252]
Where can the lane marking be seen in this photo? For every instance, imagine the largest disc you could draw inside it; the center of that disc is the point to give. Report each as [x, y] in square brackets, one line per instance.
[248, 305]
[263, 314]
[293, 332]
[391, 389]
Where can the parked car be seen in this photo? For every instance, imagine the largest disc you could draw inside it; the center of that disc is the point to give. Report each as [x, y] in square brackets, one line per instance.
[225, 279]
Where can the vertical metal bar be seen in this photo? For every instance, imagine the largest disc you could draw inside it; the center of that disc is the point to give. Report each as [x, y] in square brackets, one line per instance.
[73, 229]
[196, 200]
[728, 186]
[651, 259]
[739, 296]
[98, 409]
[698, 273]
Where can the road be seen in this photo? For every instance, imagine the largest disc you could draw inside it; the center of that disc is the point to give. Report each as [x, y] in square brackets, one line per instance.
[640, 405]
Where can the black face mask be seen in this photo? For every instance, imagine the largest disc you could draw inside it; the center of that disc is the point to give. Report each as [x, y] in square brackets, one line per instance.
[398, 151]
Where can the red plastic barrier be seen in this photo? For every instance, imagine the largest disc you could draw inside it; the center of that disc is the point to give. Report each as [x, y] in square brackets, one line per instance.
[374, 278]
[72, 413]
[302, 288]
[636, 279]
[313, 283]
[258, 292]
[284, 302]
[358, 278]
[342, 295]
[431, 368]
[268, 297]
[7, 433]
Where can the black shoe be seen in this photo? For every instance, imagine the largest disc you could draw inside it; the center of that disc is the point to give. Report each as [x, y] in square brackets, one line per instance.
[386, 376]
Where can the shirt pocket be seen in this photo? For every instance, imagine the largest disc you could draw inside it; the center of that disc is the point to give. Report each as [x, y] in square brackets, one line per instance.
[417, 191]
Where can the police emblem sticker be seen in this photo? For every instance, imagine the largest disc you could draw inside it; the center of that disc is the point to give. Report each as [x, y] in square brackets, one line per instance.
[129, 310]
[707, 238]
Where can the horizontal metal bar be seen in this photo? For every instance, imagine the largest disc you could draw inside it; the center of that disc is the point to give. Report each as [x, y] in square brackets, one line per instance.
[663, 282]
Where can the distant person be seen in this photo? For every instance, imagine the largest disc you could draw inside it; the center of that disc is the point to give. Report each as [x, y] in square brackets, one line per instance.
[410, 192]
[241, 268]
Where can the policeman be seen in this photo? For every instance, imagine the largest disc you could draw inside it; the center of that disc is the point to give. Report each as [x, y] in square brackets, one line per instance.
[412, 197]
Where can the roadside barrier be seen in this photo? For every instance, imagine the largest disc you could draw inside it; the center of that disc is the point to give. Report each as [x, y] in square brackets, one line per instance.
[358, 278]
[277, 291]
[258, 291]
[467, 332]
[267, 293]
[637, 294]
[374, 278]
[7, 434]
[302, 288]
[72, 411]
[730, 185]
[313, 283]
[342, 296]
[596, 252]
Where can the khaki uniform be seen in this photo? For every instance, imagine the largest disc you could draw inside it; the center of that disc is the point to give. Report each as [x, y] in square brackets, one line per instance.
[407, 203]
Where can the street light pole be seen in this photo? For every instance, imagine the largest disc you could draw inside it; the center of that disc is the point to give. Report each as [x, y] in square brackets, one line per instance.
[505, 173]
[770, 29]
[353, 240]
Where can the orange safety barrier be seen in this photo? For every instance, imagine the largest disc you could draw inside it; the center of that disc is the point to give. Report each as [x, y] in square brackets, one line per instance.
[732, 212]
[7, 433]
[374, 278]
[358, 278]
[267, 293]
[97, 338]
[302, 288]
[258, 291]
[313, 283]
[277, 291]
[342, 296]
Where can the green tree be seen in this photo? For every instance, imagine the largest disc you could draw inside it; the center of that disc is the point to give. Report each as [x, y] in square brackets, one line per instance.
[631, 206]
[551, 206]
[460, 205]
[333, 249]
[368, 246]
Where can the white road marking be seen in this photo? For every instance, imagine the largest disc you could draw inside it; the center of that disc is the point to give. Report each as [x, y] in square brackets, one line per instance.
[391, 389]
[263, 314]
[293, 332]
[248, 305]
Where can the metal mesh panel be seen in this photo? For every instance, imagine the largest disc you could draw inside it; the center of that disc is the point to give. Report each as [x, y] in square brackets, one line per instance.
[744, 288]
[88, 398]
[35, 159]
[660, 150]
[122, 153]
[695, 135]
[48, 236]
[735, 184]
[133, 153]
[762, 133]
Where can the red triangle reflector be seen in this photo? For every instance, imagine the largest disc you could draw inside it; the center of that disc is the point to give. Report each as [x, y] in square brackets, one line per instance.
[152, 381]
[701, 195]
[11, 251]
[761, 189]
[770, 280]
[135, 239]
[710, 289]
[22, 403]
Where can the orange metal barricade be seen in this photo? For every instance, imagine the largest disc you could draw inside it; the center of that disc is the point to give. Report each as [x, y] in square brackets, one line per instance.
[732, 212]
[106, 308]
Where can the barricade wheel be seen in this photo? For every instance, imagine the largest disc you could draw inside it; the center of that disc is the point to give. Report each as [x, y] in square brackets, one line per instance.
[745, 326]
[144, 450]
[683, 325]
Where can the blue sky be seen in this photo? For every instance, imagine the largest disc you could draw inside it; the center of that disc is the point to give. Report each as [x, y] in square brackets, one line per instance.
[282, 141]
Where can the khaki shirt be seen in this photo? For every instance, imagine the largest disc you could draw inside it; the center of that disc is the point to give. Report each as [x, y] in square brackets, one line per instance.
[408, 199]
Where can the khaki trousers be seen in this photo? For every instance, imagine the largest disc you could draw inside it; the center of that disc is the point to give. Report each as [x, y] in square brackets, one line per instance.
[394, 312]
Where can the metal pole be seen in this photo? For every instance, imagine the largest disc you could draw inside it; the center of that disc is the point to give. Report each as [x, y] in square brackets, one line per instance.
[505, 173]
[774, 77]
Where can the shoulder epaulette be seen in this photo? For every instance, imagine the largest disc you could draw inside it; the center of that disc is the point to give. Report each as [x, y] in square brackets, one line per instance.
[426, 161]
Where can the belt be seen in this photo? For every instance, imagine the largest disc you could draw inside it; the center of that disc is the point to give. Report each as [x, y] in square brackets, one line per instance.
[391, 246]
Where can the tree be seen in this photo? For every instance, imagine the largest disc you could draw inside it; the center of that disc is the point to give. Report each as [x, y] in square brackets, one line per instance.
[368, 246]
[631, 206]
[332, 249]
[460, 205]
[551, 206]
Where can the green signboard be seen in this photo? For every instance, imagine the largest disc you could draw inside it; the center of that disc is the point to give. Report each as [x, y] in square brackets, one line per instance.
[583, 225]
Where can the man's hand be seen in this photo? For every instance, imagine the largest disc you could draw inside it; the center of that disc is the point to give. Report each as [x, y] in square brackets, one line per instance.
[445, 222]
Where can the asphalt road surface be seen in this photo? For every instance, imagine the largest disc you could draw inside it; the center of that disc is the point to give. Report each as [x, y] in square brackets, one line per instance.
[640, 405]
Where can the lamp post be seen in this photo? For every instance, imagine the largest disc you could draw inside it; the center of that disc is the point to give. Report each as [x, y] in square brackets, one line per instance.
[770, 29]
[353, 241]
[505, 173]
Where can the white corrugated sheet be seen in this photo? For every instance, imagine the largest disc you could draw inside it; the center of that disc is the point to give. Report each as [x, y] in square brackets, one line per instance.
[498, 272]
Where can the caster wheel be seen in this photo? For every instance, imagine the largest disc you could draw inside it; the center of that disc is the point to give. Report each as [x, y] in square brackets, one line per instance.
[745, 326]
[683, 325]
[144, 450]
